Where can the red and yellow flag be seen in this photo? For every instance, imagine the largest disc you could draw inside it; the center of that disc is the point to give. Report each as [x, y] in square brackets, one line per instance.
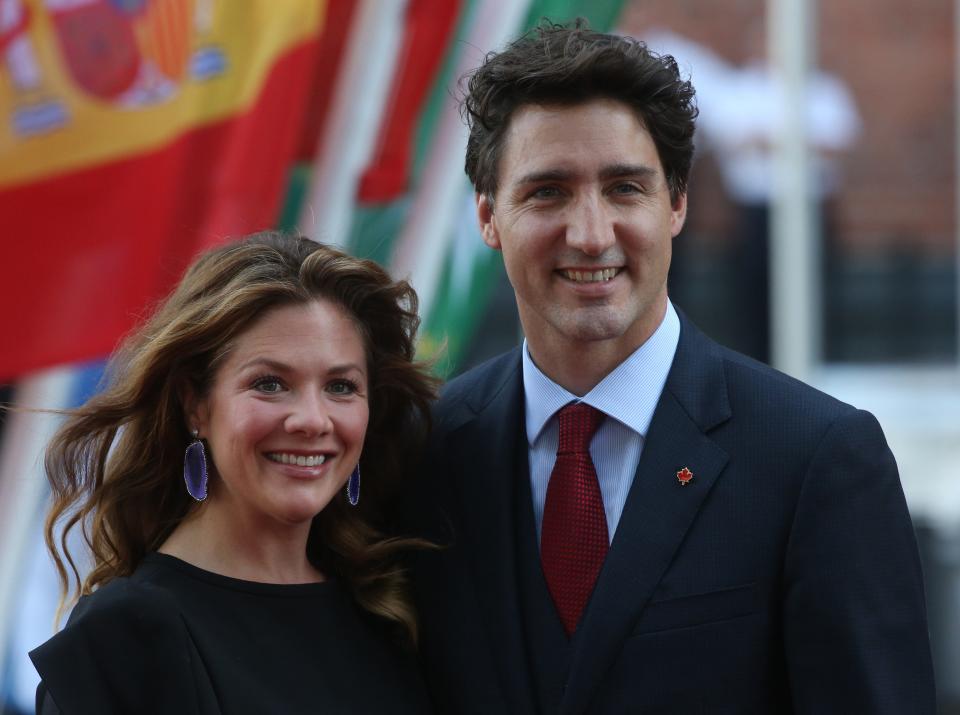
[132, 134]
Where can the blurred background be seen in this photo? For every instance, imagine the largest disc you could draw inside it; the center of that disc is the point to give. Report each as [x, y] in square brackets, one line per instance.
[822, 235]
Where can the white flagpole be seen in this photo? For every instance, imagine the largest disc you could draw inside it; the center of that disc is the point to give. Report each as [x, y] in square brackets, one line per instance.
[356, 115]
[421, 248]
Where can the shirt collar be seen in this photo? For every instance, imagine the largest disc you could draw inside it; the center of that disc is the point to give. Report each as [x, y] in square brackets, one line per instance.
[629, 393]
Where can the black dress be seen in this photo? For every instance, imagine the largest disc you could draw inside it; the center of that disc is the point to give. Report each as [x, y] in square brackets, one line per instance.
[173, 638]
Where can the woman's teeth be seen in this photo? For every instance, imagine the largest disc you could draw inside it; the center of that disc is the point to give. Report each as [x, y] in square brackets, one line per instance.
[297, 459]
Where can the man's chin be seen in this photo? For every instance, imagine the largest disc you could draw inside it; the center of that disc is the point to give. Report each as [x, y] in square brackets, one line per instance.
[591, 326]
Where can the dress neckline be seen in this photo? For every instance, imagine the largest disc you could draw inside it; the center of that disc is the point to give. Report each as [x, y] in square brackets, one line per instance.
[166, 562]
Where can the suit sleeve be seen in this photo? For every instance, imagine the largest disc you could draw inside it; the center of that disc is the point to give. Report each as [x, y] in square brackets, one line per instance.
[855, 627]
[124, 650]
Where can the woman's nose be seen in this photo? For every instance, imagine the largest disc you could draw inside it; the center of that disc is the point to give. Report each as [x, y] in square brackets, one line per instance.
[310, 415]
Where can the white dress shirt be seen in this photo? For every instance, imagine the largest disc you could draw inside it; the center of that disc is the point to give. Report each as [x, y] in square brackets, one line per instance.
[627, 396]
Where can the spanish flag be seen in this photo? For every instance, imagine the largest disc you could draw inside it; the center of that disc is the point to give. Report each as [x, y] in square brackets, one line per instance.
[134, 133]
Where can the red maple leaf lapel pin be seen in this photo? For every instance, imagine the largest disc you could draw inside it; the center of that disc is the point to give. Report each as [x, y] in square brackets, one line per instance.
[684, 476]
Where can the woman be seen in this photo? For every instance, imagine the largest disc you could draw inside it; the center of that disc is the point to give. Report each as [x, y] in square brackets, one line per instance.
[231, 571]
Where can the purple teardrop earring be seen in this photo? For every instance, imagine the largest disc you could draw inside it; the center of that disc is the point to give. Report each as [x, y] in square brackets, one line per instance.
[353, 486]
[195, 468]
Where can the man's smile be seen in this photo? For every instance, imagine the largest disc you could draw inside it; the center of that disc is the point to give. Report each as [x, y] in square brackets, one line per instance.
[589, 275]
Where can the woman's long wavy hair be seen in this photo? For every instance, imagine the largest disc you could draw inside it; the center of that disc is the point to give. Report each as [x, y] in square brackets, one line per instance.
[116, 464]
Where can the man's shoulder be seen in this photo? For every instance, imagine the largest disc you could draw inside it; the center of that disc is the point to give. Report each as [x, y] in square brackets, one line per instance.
[471, 391]
[753, 390]
[777, 409]
[746, 375]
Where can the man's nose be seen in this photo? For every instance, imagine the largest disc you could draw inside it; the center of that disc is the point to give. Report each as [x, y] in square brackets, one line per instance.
[309, 415]
[590, 228]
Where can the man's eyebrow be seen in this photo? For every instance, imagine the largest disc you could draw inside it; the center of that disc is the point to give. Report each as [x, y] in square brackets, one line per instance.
[615, 171]
[612, 171]
[543, 175]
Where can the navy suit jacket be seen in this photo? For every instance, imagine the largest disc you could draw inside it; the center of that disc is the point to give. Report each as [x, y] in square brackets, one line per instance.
[784, 578]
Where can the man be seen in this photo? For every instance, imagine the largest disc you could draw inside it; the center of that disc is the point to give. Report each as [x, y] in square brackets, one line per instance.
[638, 519]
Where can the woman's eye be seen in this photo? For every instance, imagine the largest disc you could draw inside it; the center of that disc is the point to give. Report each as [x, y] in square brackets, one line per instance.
[343, 387]
[268, 385]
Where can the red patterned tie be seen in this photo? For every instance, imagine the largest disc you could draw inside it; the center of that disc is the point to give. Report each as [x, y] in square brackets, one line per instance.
[573, 539]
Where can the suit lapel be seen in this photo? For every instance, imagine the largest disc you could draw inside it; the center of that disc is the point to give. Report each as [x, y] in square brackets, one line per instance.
[658, 511]
[487, 449]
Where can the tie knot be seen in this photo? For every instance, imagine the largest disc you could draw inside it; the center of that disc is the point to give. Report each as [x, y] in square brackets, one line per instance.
[578, 422]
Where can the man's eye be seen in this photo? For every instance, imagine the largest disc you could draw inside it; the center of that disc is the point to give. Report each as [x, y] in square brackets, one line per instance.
[627, 188]
[268, 385]
[546, 192]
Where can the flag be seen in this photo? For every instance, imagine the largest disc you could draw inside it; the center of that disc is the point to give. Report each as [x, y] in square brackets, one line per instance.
[361, 184]
[133, 135]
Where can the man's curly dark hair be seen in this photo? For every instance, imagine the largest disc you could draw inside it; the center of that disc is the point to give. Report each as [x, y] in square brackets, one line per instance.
[571, 64]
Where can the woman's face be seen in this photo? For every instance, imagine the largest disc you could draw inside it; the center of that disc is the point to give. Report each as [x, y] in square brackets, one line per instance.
[285, 417]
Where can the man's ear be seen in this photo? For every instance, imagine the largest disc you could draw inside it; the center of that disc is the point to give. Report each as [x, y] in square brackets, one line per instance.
[487, 221]
[678, 213]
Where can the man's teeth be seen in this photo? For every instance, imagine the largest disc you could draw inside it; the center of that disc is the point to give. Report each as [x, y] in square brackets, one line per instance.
[591, 276]
[297, 459]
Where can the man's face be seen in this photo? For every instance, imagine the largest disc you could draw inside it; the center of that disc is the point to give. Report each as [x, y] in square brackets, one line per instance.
[584, 219]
